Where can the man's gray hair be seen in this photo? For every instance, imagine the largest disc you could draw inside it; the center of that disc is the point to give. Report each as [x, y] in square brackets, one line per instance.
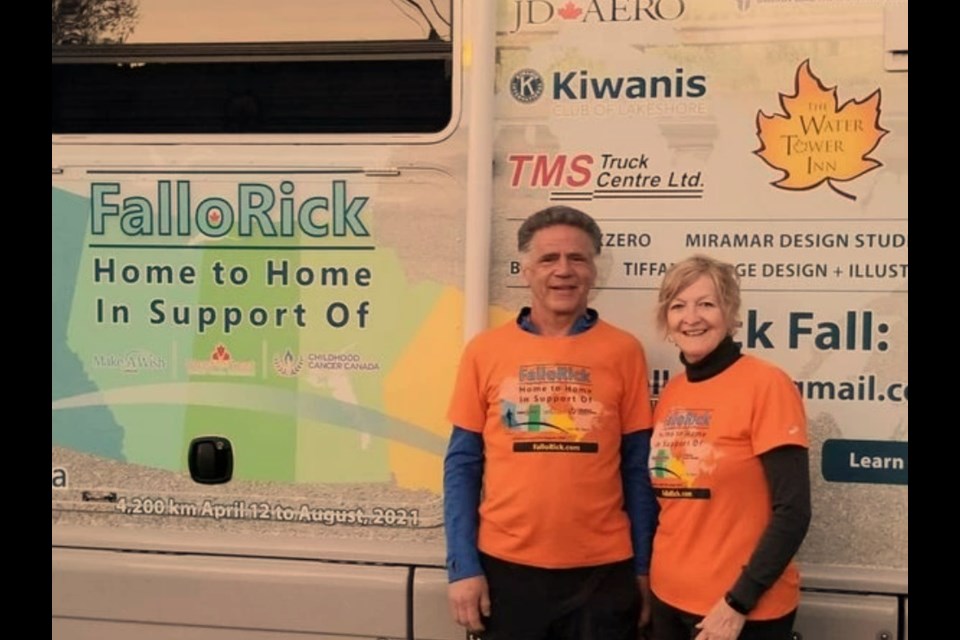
[559, 215]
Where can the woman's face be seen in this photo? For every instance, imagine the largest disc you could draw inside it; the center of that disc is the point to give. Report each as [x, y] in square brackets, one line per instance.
[696, 322]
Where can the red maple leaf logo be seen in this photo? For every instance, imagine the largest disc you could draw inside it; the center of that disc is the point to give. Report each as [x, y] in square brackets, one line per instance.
[214, 216]
[570, 11]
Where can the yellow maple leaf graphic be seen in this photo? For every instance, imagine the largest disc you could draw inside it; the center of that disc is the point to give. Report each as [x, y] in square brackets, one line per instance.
[813, 141]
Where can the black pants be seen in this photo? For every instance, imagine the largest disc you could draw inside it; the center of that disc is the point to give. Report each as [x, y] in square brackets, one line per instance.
[670, 623]
[590, 603]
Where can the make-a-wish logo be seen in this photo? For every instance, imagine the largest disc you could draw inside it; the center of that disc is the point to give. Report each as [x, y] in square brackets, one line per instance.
[130, 362]
[526, 86]
[538, 13]
[287, 364]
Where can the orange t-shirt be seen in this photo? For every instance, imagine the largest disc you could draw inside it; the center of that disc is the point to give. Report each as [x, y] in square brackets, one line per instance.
[552, 411]
[709, 481]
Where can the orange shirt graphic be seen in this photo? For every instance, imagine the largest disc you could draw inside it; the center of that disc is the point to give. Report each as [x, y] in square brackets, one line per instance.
[552, 411]
[709, 481]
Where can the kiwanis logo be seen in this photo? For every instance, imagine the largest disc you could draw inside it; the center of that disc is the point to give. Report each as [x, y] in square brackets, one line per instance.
[526, 86]
[287, 364]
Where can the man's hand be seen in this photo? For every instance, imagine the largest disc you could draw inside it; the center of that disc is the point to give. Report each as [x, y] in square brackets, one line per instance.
[643, 584]
[469, 599]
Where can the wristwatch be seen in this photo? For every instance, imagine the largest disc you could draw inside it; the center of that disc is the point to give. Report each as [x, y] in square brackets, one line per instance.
[735, 604]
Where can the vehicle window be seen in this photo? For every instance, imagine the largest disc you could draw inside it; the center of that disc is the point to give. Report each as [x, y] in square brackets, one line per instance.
[251, 66]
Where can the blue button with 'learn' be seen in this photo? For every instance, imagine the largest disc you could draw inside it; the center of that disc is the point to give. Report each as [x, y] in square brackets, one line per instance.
[870, 461]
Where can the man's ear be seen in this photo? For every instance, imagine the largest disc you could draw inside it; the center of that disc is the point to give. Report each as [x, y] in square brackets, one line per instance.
[524, 270]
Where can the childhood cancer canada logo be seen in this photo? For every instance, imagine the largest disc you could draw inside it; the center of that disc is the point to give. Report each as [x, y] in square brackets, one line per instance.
[526, 86]
[287, 364]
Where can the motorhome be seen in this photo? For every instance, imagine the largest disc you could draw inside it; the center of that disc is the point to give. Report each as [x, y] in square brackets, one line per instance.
[275, 224]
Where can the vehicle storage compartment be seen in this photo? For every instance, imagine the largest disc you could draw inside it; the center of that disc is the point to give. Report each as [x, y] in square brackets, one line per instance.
[431, 615]
[841, 616]
[106, 594]
[841, 602]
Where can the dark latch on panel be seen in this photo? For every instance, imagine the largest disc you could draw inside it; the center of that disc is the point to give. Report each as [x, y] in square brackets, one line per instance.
[210, 459]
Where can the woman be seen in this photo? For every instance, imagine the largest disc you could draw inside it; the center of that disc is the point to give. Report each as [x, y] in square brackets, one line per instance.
[729, 465]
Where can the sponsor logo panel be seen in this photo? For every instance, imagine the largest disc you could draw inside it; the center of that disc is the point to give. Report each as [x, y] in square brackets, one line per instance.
[288, 364]
[526, 15]
[132, 361]
[596, 176]
[221, 363]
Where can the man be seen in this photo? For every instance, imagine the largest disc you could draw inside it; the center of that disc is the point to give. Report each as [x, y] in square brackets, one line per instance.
[548, 509]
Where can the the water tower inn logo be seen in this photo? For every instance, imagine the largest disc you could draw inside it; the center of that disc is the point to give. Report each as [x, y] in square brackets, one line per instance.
[526, 86]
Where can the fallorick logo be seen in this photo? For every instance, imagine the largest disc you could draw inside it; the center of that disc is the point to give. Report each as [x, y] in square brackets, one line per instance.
[254, 211]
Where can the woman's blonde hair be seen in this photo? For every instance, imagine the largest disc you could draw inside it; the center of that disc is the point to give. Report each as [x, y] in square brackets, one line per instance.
[684, 273]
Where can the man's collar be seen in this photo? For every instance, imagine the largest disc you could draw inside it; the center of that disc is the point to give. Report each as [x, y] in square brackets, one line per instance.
[584, 322]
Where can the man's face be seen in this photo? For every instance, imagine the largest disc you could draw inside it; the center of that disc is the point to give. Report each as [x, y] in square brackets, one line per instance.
[560, 270]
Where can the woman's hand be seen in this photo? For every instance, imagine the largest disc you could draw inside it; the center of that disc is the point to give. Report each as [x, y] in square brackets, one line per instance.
[721, 623]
